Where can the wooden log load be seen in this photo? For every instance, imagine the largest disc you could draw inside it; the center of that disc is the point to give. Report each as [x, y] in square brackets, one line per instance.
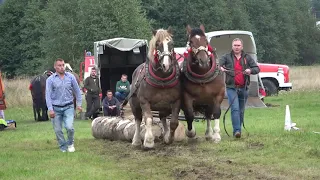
[118, 128]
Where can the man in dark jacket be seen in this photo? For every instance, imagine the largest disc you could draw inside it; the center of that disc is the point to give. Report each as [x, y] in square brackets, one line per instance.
[91, 84]
[111, 105]
[238, 67]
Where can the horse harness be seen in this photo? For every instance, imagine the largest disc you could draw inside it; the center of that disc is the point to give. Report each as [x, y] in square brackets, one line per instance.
[197, 78]
[146, 73]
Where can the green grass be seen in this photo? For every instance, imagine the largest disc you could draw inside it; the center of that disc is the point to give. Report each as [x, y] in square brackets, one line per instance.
[269, 152]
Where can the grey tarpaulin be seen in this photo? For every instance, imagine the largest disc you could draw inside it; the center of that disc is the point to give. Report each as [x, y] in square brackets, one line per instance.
[123, 44]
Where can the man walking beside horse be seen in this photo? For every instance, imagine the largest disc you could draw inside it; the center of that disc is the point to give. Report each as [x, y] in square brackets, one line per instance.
[238, 67]
[59, 99]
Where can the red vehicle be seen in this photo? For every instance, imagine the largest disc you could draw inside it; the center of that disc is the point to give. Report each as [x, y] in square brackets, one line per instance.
[275, 77]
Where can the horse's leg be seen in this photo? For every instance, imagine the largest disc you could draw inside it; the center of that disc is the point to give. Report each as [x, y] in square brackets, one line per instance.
[148, 142]
[166, 133]
[216, 117]
[137, 112]
[34, 113]
[174, 122]
[208, 115]
[38, 112]
[187, 107]
[136, 140]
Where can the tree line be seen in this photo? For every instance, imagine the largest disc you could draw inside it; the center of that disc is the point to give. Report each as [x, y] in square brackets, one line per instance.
[33, 33]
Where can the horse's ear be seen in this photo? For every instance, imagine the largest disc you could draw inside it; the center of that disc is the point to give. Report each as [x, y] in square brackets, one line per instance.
[202, 28]
[189, 29]
[170, 31]
[154, 32]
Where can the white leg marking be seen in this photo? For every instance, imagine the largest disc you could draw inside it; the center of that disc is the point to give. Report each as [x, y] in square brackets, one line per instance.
[136, 140]
[148, 138]
[166, 130]
[209, 131]
[216, 129]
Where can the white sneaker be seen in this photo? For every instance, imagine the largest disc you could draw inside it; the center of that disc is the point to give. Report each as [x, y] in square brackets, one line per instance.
[71, 148]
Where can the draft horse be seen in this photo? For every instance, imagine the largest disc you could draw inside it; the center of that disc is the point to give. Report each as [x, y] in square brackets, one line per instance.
[156, 87]
[202, 83]
[38, 93]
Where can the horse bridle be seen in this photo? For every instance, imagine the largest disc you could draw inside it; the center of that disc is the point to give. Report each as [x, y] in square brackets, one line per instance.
[160, 55]
[197, 50]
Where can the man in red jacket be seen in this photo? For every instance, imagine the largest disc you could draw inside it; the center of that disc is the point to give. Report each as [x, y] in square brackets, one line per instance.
[238, 67]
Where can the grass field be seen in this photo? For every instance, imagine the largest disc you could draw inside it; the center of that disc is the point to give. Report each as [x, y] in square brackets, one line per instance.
[269, 152]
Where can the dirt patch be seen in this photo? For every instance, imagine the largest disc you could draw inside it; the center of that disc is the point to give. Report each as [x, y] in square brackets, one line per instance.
[199, 172]
[255, 145]
[272, 105]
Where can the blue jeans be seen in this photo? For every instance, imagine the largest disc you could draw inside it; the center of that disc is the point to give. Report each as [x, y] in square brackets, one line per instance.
[121, 95]
[64, 115]
[238, 106]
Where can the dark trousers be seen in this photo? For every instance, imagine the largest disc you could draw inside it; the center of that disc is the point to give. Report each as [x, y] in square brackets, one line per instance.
[111, 112]
[121, 96]
[93, 104]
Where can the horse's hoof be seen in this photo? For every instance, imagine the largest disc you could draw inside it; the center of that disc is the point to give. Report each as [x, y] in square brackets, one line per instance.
[148, 145]
[136, 144]
[168, 139]
[191, 134]
[216, 137]
[209, 138]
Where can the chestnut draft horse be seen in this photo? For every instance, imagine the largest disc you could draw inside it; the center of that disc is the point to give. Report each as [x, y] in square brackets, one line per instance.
[156, 87]
[202, 83]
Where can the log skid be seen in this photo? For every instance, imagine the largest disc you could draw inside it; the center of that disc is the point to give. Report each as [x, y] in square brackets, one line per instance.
[118, 128]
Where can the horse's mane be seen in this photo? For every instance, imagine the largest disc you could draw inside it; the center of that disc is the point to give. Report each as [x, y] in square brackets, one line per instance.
[196, 31]
[161, 35]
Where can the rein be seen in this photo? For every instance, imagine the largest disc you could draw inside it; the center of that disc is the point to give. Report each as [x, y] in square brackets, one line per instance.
[224, 116]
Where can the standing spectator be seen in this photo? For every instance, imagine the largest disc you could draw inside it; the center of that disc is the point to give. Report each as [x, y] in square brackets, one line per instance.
[91, 83]
[238, 67]
[59, 98]
[122, 88]
[111, 105]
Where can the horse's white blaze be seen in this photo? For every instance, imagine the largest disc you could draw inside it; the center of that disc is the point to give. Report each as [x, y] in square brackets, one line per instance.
[166, 58]
[198, 37]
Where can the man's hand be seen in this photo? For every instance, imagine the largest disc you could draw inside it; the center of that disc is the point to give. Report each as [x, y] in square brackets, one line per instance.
[79, 108]
[247, 71]
[51, 114]
[223, 69]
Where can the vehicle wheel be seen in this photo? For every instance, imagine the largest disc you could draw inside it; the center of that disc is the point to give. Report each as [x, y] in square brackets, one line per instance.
[270, 87]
